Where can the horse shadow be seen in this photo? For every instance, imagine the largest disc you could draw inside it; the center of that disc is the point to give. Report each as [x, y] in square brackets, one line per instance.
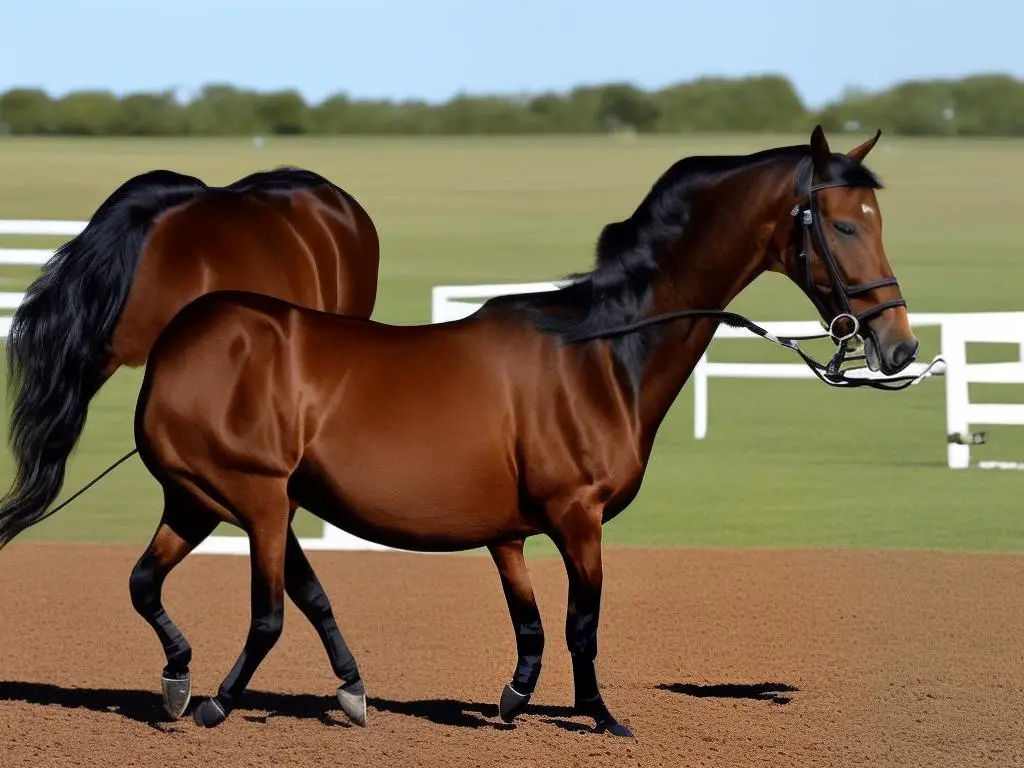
[773, 693]
[257, 706]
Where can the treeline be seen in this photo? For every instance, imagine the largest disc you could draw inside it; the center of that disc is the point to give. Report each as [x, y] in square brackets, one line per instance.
[983, 105]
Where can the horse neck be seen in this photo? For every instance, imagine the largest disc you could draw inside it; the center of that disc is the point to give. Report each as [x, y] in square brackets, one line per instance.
[694, 282]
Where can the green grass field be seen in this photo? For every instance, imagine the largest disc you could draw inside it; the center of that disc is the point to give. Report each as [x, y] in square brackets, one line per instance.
[785, 463]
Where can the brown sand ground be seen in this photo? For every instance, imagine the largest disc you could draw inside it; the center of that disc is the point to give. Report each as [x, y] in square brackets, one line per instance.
[732, 658]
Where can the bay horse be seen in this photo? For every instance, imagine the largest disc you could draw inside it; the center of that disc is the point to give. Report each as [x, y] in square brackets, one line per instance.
[159, 241]
[535, 415]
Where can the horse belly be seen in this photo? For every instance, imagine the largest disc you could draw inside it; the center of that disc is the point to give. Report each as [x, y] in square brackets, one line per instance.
[413, 490]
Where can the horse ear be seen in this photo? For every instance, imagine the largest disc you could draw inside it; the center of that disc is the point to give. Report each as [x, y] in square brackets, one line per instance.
[821, 153]
[859, 153]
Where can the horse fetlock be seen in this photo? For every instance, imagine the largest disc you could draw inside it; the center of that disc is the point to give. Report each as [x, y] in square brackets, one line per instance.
[179, 657]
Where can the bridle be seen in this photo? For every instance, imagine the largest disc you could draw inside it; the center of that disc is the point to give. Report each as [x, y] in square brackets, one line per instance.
[812, 233]
[832, 372]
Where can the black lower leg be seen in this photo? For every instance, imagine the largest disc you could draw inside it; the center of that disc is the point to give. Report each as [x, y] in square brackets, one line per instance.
[265, 626]
[582, 555]
[522, 609]
[264, 632]
[530, 648]
[581, 639]
[145, 585]
[308, 594]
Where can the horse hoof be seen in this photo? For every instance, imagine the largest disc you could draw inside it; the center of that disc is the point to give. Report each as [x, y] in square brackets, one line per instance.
[352, 699]
[512, 703]
[177, 694]
[614, 727]
[209, 713]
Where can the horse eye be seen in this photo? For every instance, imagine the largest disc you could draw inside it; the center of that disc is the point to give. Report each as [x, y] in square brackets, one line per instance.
[845, 227]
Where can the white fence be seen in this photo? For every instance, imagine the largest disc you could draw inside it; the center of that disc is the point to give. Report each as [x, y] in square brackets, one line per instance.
[28, 257]
[450, 302]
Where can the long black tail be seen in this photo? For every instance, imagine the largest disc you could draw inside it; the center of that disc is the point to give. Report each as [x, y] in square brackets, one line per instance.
[57, 347]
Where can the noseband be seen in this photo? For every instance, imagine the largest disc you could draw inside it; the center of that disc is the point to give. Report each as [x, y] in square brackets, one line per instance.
[830, 373]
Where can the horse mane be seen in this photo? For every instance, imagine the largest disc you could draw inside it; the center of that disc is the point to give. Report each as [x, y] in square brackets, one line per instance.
[617, 291]
[282, 179]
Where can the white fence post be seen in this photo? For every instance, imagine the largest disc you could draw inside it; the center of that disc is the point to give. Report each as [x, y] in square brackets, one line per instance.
[954, 348]
[699, 377]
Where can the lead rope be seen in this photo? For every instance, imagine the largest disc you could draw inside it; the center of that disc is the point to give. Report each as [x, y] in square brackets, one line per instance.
[95, 480]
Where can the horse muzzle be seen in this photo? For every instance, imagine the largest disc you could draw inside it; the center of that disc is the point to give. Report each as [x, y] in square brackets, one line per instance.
[888, 349]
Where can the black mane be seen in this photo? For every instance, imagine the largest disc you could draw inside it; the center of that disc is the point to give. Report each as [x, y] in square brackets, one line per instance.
[281, 179]
[617, 291]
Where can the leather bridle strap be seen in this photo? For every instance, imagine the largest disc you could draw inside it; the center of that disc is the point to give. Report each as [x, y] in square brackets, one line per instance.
[812, 232]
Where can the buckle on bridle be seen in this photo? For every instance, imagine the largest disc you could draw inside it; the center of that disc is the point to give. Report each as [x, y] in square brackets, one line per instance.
[807, 218]
[831, 327]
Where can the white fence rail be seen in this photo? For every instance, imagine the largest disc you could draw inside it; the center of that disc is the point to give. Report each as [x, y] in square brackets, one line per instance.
[34, 228]
[453, 302]
[28, 257]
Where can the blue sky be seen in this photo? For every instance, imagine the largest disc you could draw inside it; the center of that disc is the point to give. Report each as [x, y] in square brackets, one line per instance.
[433, 49]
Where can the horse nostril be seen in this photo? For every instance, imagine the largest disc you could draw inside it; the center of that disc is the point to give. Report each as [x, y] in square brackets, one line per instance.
[904, 353]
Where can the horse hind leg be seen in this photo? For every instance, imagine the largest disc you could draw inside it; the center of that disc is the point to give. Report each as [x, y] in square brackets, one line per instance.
[182, 528]
[264, 512]
[306, 591]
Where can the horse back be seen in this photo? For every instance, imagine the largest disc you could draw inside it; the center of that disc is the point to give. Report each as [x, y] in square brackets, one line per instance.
[315, 247]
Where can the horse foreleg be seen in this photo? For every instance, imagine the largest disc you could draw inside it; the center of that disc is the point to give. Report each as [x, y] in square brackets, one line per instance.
[522, 608]
[308, 594]
[579, 542]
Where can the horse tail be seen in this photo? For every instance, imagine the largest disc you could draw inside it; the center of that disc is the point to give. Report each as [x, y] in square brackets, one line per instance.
[57, 347]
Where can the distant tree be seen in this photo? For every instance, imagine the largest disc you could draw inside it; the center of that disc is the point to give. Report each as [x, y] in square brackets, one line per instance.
[87, 113]
[624, 106]
[150, 114]
[979, 105]
[282, 112]
[26, 111]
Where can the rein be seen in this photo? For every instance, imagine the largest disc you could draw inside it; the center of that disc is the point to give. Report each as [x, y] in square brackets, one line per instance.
[830, 373]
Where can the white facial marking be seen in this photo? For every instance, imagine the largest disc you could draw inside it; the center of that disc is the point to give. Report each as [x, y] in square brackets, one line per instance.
[867, 209]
